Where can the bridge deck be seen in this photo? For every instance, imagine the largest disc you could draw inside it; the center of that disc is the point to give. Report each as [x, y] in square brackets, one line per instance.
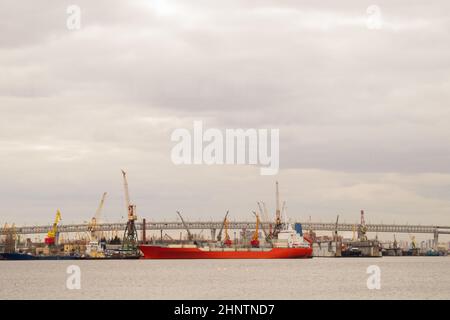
[316, 226]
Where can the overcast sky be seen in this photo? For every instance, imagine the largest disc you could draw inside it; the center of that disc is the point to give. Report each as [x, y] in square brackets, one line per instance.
[363, 113]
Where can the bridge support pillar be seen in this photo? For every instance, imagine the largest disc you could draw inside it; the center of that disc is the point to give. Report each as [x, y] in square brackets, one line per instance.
[213, 234]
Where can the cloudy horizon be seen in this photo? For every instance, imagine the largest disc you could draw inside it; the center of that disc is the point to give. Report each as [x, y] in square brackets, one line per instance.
[363, 112]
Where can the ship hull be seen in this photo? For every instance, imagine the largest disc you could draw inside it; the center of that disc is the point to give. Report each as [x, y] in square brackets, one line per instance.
[22, 256]
[159, 252]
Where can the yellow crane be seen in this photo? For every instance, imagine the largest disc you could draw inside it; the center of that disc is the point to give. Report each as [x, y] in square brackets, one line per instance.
[130, 237]
[96, 219]
[51, 235]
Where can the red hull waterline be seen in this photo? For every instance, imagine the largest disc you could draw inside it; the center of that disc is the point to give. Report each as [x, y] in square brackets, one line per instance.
[158, 252]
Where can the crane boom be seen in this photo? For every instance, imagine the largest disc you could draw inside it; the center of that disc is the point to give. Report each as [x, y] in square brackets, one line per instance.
[219, 236]
[336, 228]
[264, 230]
[100, 207]
[265, 219]
[266, 214]
[263, 212]
[96, 219]
[51, 235]
[127, 194]
[255, 235]
[190, 237]
[130, 207]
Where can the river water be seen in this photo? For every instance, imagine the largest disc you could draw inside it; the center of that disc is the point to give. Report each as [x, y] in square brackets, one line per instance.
[317, 278]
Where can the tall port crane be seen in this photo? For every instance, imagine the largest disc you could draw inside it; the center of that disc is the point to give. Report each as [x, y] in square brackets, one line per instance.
[96, 218]
[130, 238]
[51, 235]
[219, 236]
[190, 236]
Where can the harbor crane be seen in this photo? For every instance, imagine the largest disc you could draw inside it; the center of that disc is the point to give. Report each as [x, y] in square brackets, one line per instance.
[190, 236]
[219, 236]
[51, 238]
[96, 218]
[130, 238]
[262, 227]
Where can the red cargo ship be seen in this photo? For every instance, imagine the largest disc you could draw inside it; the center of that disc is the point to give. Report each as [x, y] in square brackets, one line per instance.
[288, 245]
[194, 252]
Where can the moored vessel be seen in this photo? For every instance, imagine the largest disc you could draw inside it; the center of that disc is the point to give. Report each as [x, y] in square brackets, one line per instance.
[288, 245]
[195, 252]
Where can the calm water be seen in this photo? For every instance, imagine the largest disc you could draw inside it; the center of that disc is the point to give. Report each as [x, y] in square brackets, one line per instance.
[401, 277]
